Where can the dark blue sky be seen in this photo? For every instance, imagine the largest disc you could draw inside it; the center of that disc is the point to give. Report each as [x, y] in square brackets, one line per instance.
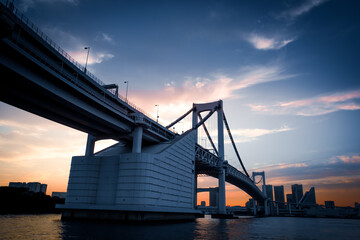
[288, 72]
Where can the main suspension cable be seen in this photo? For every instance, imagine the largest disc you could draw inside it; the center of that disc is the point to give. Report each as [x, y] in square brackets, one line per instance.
[234, 146]
[208, 135]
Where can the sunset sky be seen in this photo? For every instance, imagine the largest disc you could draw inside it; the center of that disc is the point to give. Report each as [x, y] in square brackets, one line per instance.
[288, 72]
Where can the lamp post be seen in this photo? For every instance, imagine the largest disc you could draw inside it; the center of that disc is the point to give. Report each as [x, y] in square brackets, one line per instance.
[157, 115]
[204, 141]
[87, 57]
[127, 85]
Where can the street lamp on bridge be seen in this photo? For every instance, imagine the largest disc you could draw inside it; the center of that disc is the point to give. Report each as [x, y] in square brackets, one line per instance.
[157, 115]
[87, 57]
[127, 85]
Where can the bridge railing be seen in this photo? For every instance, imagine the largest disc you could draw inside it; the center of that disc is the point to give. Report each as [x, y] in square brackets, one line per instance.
[55, 46]
[235, 172]
[206, 156]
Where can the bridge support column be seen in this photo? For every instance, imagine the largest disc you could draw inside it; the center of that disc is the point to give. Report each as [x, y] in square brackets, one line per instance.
[137, 139]
[222, 199]
[266, 208]
[195, 190]
[254, 205]
[90, 145]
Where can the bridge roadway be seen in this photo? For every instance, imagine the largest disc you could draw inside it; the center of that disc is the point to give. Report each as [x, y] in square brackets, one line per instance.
[39, 77]
[208, 163]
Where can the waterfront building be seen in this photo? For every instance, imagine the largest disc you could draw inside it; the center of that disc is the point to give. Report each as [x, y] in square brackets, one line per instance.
[309, 199]
[34, 186]
[18, 184]
[290, 199]
[31, 186]
[357, 205]
[43, 188]
[297, 192]
[250, 203]
[279, 196]
[329, 204]
[59, 194]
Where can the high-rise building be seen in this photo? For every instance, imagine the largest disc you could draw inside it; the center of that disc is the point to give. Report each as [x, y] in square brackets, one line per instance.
[309, 199]
[269, 192]
[213, 196]
[203, 203]
[297, 192]
[279, 196]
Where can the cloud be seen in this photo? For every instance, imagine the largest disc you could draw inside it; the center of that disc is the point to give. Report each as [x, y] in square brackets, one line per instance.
[175, 100]
[24, 5]
[337, 166]
[252, 134]
[330, 173]
[39, 141]
[263, 43]
[74, 46]
[96, 57]
[313, 106]
[304, 8]
[104, 37]
[349, 159]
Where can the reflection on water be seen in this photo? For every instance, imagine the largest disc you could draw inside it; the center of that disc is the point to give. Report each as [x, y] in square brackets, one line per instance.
[50, 227]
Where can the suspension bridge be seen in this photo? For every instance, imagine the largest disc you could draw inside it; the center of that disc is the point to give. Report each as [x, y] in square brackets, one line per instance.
[151, 173]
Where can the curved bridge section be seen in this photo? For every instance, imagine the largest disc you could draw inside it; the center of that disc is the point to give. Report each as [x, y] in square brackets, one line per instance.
[209, 164]
[38, 76]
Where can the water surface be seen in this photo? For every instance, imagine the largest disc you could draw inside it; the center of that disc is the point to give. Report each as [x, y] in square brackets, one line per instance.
[49, 226]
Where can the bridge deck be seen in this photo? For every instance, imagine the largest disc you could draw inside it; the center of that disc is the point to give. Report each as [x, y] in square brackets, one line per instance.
[40, 77]
[208, 163]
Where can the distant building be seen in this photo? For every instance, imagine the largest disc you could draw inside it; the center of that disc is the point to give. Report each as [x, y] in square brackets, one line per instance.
[329, 204]
[18, 184]
[214, 196]
[250, 203]
[290, 199]
[43, 188]
[269, 192]
[279, 196]
[59, 194]
[309, 199]
[297, 192]
[32, 186]
[357, 205]
[203, 203]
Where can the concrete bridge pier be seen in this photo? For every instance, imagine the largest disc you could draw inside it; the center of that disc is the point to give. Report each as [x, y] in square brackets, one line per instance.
[90, 145]
[137, 140]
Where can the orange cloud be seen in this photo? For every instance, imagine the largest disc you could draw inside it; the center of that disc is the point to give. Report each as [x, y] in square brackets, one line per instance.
[349, 159]
[175, 100]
